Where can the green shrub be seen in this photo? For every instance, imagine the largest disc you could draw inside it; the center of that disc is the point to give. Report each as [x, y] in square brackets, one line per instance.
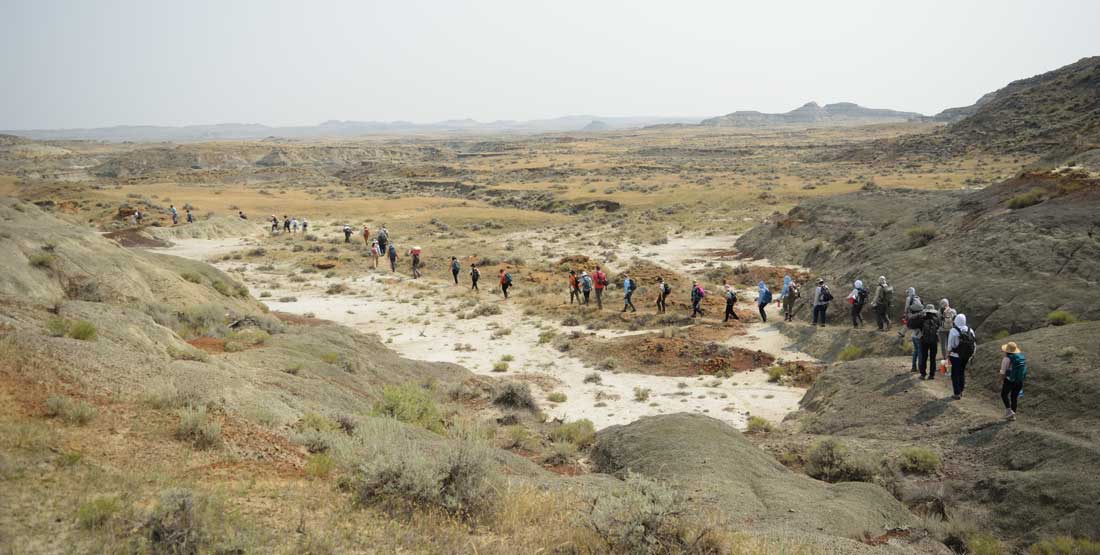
[776, 373]
[556, 397]
[643, 518]
[500, 366]
[196, 427]
[314, 441]
[920, 236]
[319, 465]
[608, 364]
[1030, 198]
[516, 395]
[330, 358]
[95, 513]
[519, 437]
[851, 352]
[57, 326]
[43, 261]
[919, 460]
[82, 330]
[758, 425]
[581, 433]
[641, 394]
[560, 453]
[174, 527]
[1063, 545]
[193, 277]
[410, 403]
[594, 378]
[1061, 318]
[460, 479]
[70, 410]
[1001, 335]
[830, 460]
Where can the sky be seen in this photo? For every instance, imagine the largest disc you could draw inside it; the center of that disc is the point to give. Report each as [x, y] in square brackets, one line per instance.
[85, 63]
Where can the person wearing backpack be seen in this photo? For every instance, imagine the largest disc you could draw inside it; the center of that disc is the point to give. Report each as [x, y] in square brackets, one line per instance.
[374, 254]
[663, 289]
[455, 268]
[929, 340]
[601, 282]
[1013, 373]
[947, 319]
[392, 255]
[628, 291]
[586, 286]
[911, 316]
[383, 238]
[475, 275]
[884, 296]
[858, 298]
[574, 287]
[731, 299]
[822, 298]
[505, 282]
[415, 255]
[763, 299]
[697, 294]
[347, 233]
[788, 296]
[961, 343]
[190, 217]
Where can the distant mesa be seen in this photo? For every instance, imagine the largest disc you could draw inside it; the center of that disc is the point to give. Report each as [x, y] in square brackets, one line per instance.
[596, 125]
[812, 113]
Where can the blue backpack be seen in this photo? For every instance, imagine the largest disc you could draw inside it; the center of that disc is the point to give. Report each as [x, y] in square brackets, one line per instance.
[767, 298]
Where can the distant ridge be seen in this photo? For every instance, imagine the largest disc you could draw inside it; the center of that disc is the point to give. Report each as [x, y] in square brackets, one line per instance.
[811, 113]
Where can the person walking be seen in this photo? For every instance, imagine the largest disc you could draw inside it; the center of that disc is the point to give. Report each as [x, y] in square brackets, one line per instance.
[763, 299]
[929, 341]
[822, 298]
[383, 238]
[601, 281]
[961, 344]
[415, 256]
[697, 294]
[475, 275]
[366, 234]
[880, 303]
[190, 217]
[1013, 373]
[858, 298]
[305, 225]
[286, 224]
[628, 291]
[174, 213]
[574, 287]
[240, 214]
[586, 286]
[910, 317]
[505, 282]
[392, 254]
[274, 224]
[787, 297]
[294, 225]
[347, 233]
[947, 320]
[375, 254]
[455, 268]
[731, 299]
[663, 290]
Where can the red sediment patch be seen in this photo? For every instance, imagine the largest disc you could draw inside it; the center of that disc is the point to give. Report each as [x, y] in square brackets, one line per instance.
[134, 237]
[296, 319]
[677, 356]
[885, 538]
[208, 344]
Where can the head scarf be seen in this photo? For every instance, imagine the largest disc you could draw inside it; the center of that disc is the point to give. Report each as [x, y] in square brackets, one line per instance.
[960, 322]
[786, 285]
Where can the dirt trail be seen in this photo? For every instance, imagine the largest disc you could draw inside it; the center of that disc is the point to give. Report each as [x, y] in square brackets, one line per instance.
[418, 319]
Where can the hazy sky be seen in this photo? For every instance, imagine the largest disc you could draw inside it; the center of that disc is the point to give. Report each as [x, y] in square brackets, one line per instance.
[84, 63]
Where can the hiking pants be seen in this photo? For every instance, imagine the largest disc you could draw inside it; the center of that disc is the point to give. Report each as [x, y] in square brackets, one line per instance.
[627, 303]
[788, 308]
[958, 374]
[347, 237]
[729, 312]
[473, 284]
[574, 294]
[393, 263]
[661, 305]
[943, 334]
[916, 351]
[857, 315]
[1010, 392]
[695, 309]
[928, 359]
[504, 289]
[455, 274]
[881, 318]
[819, 313]
[587, 293]
[382, 245]
[599, 298]
[763, 315]
[286, 226]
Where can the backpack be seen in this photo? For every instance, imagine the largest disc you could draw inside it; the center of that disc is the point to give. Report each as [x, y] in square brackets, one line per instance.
[699, 291]
[861, 296]
[507, 279]
[601, 278]
[826, 295]
[794, 292]
[666, 288]
[454, 265]
[1018, 371]
[929, 330]
[967, 344]
[475, 273]
[587, 285]
[767, 298]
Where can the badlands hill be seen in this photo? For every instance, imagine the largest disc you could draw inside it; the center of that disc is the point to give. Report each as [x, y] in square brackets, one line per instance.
[813, 114]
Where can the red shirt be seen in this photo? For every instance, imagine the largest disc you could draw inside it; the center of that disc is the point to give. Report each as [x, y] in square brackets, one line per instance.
[600, 278]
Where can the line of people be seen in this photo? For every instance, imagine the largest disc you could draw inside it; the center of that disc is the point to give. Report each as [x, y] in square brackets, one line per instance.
[290, 224]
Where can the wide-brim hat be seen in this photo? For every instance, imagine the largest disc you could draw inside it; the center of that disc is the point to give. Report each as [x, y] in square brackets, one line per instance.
[1010, 347]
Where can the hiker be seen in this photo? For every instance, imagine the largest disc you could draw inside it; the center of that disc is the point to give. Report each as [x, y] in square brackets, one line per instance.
[663, 290]
[586, 286]
[1013, 373]
[822, 298]
[240, 214]
[929, 340]
[601, 282]
[294, 225]
[961, 343]
[286, 224]
[884, 295]
[910, 316]
[375, 252]
[274, 224]
[475, 275]
[629, 286]
[347, 233]
[415, 255]
[788, 296]
[134, 217]
[392, 254]
[305, 225]
[731, 298]
[574, 287]
[763, 299]
[383, 238]
[175, 214]
[140, 216]
[947, 319]
[366, 236]
[505, 282]
[858, 298]
[190, 218]
[455, 267]
[697, 294]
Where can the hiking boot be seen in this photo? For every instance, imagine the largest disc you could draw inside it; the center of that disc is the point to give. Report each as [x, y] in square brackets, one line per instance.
[956, 397]
[1009, 415]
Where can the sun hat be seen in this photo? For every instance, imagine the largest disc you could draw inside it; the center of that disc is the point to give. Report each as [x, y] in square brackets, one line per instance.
[821, 280]
[1010, 347]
